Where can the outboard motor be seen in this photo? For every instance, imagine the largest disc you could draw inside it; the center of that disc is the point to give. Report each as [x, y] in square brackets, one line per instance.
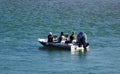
[82, 40]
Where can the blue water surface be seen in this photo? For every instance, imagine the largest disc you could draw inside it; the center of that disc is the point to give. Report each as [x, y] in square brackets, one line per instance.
[22, 22]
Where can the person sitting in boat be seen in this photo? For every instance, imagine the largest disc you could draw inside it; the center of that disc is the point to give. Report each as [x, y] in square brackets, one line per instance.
[50, 37]
[72, 37]
[55, 38]
[82, 40]
[61, 37]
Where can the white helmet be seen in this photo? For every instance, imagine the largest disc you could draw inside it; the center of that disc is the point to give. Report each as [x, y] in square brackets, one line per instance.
[50, 33]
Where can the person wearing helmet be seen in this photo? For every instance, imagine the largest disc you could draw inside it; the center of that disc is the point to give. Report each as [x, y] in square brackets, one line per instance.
[50, 37]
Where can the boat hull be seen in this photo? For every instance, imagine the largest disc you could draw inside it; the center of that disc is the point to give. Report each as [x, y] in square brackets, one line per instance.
[70, 46]
[56, 45]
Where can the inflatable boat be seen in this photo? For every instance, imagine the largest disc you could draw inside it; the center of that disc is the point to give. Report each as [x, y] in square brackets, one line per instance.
[67, 46]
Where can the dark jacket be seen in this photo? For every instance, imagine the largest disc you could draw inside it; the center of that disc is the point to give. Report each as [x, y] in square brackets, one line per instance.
[50, 38]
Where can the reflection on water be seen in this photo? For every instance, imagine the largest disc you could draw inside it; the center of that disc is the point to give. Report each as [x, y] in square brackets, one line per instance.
[52, 50]
[79, 53]
[65, 57]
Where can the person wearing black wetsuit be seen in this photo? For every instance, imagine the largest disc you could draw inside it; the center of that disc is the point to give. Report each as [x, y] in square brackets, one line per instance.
[50, 37]
[72, 37]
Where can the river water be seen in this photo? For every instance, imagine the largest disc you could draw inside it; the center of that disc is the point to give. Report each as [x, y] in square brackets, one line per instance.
[22, 22]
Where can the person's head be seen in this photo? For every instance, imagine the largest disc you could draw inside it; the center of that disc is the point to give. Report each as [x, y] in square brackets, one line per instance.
[73, 33]
[50, 33]
[61, 33]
